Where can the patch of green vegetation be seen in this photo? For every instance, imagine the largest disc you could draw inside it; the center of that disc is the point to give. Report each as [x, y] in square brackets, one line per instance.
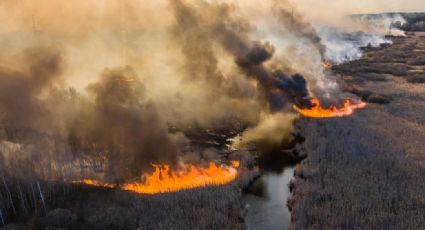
[368, 55]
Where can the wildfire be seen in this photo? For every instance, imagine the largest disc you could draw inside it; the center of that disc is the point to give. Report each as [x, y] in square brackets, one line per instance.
[95, 183]
[317, 111]
[163, 179]
[327, 64]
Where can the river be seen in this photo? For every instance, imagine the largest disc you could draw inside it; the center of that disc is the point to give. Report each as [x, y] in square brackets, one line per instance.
[266, 198]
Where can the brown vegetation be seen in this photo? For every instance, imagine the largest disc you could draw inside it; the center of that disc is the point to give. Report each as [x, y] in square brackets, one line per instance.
[103, 208]
[366, 171]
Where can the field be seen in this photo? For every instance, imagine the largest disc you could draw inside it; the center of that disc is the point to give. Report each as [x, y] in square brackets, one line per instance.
[367, 171]
[364, 171]
[34, 204]
[83, 207]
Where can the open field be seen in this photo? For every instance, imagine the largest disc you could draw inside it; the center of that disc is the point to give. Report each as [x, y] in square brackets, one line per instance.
[367, 171]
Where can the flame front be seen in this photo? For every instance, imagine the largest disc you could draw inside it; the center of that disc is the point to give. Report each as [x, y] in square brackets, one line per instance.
[163, 179]
[317, 111]
[327, 64]
[95, 183]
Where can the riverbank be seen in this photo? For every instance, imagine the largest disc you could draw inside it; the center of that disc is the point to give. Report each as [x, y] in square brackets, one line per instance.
[367, 171]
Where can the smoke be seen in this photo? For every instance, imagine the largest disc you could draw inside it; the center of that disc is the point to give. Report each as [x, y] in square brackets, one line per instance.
[344, 46]
[115, 123]
[382, 23]
[23, 81]
[345, 27]
[127, 125]
[335, 13]
[201, 64]
[272, 131]
[232, 35]
[294, 23]
[101, 100]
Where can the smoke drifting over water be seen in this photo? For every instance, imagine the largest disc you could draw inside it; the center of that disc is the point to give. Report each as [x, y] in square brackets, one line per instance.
[100, 101]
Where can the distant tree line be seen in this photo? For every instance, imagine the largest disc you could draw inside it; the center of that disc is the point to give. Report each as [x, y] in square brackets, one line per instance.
[413, 21]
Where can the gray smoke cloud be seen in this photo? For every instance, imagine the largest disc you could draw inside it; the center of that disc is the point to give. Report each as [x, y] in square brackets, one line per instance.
[126, 127]
[201, 63]
[232, 35]
[39, 68]
[115, 126]
[294, 22]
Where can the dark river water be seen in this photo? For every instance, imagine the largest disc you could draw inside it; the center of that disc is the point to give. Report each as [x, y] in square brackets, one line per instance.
[266, 198]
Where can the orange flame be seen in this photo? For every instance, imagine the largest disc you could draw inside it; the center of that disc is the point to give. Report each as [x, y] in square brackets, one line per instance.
[235, 164]
[318, 112]
[95, 183]
[327, 64]
[164, 180]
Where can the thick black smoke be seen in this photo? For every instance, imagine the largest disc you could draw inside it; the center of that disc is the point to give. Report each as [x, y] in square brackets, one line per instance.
[232, 35]
[278, 88]
[115, 130]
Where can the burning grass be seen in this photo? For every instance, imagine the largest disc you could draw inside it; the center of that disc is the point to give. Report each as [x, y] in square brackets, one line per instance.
[164, 180]
[366, 171]
[317, 111]
[98, 205]
[327, 64]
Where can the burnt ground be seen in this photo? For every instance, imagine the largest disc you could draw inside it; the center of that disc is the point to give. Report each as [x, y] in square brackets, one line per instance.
[367, 171]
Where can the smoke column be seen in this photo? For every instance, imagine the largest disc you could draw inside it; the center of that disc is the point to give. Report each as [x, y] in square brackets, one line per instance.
[92, 88]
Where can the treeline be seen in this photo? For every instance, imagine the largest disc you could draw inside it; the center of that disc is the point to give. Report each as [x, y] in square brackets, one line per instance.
[412, 21]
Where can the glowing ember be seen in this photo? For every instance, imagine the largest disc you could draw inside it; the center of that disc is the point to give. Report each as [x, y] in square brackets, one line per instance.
[235, 164]
[164, 180]
[95, 183]
[327, 64]
[318, 112]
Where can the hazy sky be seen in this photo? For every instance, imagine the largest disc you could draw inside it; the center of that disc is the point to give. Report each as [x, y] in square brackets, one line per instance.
[335, 12]
[361, 6]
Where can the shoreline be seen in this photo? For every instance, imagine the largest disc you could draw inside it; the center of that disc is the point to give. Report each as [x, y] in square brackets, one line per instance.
[366, 170]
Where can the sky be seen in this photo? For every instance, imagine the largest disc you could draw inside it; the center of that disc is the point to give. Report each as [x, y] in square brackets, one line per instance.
[334, 12]
[361, 6]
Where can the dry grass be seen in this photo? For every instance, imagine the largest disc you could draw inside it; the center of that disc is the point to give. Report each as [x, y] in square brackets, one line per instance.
[367, 171]
[419, 78]
[32, 204]
[82, 207]
[355, 178]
